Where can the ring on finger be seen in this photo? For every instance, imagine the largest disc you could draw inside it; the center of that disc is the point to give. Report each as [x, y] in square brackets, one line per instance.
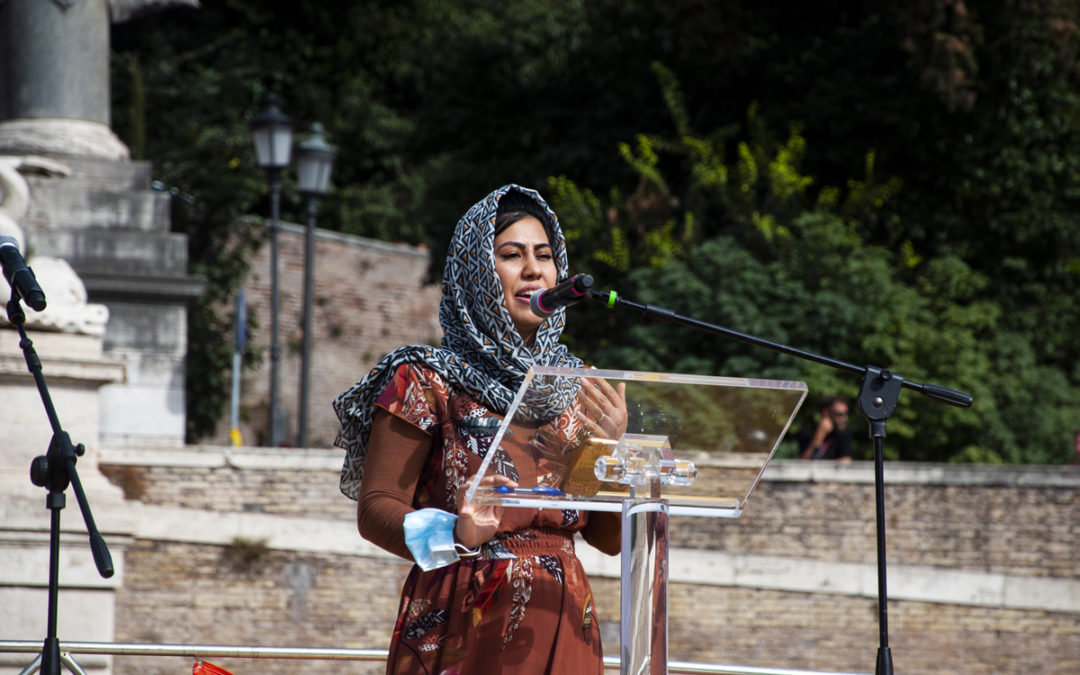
[603, 416]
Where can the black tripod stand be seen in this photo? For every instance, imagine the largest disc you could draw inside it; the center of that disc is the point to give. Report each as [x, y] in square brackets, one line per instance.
[55, 471]
[878, 396]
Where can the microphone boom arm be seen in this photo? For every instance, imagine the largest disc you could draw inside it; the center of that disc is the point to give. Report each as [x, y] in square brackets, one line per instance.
[611, 299]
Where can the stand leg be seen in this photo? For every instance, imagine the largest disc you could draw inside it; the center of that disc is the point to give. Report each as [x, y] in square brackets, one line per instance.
[643, 612]
[34, 666]
[71, 664]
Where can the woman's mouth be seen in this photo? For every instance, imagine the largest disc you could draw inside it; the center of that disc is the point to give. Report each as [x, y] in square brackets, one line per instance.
[526, 294]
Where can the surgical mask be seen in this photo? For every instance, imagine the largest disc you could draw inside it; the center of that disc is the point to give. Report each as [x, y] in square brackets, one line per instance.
[429, 534]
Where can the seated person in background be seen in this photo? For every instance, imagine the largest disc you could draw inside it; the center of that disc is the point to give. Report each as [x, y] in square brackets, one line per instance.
[831, 439]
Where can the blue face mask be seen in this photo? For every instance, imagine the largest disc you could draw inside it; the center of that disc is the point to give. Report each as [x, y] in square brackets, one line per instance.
[429, 534]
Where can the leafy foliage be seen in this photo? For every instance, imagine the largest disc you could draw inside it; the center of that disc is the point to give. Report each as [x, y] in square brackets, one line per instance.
[780, 259]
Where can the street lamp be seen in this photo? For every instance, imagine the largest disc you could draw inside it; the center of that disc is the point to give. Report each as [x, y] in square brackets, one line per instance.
[314, 161]
[272, 130]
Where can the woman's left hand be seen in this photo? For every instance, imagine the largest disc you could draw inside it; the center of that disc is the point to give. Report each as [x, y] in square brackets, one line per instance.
[477, 523]
[604, 407]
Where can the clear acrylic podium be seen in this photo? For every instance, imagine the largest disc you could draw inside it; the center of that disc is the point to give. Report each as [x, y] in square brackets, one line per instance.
[694, 445]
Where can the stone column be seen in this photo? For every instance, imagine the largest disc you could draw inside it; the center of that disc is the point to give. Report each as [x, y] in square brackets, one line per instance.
[54, 79]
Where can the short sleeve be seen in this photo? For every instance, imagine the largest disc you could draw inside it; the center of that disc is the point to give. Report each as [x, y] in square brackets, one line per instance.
[413, 394]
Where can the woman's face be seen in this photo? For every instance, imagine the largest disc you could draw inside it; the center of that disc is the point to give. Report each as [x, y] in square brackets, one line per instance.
[525, 264]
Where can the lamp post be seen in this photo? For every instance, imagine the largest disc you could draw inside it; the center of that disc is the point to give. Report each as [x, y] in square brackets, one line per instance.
[314, 161]
[272, 130]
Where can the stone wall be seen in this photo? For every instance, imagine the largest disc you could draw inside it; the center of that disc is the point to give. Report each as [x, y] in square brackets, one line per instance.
[257, 547]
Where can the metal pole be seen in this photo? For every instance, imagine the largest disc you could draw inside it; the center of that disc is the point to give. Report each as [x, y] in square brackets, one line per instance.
[309, 279]
[50, 653]
[275, 340]
[201, 651]
[884, 664]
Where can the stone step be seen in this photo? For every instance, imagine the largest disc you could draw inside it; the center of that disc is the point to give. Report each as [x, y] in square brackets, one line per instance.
[124, 253]
[103, 174]
[57, 204]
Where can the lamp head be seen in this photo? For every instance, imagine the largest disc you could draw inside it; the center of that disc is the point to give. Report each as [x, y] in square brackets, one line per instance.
[272, 130]
[314, 162]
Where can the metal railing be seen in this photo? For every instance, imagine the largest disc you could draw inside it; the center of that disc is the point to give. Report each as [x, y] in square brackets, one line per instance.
[199, 652]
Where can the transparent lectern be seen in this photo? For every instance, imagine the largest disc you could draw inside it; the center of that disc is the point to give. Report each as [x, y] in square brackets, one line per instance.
[694, 445]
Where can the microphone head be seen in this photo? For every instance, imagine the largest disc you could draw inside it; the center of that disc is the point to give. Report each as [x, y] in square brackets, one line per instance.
[537, 308]
[563, 294]
[19, 276]
[36, 299]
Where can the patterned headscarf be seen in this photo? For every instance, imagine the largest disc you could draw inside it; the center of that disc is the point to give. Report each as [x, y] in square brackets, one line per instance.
[481, 352]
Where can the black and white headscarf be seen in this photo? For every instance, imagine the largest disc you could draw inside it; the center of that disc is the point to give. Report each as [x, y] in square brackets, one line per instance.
[481, 352]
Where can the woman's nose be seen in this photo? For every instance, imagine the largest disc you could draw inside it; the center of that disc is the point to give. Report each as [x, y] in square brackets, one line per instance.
[531, 269]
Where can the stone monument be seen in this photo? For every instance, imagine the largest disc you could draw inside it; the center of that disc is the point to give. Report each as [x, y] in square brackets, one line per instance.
[112, 338]
[102, 216]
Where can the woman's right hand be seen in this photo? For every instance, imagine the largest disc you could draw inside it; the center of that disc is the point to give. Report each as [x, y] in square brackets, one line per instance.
[478, 523]
[605, 413]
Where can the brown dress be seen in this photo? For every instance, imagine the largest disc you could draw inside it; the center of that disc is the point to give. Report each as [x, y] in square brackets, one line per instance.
[524, 605]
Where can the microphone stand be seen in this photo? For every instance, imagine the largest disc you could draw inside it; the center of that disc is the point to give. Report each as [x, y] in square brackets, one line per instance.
[54, 471]
[878, 396]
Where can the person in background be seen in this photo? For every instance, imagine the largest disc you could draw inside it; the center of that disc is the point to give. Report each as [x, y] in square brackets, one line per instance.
[830, 439]
[493, 590]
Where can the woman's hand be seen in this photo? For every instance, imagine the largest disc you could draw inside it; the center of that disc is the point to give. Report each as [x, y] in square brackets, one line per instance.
[478, 523]
[604, 408]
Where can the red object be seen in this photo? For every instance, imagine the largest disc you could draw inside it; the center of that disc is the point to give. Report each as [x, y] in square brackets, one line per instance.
[203, 668]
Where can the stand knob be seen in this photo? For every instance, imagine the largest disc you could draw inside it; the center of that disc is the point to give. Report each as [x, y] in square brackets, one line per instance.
[39, 471]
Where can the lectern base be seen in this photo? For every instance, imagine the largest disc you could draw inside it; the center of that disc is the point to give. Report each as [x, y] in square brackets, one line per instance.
[644, 592]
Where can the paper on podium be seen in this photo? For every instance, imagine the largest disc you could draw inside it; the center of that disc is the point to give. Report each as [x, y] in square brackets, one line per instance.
[700, 442]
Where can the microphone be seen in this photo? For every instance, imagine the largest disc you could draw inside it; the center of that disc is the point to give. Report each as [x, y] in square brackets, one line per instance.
[569, 292]
[20, 277]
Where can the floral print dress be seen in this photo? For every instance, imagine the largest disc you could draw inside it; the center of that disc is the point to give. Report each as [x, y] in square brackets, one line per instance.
[524, 605]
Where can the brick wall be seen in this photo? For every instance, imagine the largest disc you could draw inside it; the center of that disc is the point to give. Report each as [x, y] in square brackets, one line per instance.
[369, 297]
[994, 528]
[177, 593]
[1002, 527]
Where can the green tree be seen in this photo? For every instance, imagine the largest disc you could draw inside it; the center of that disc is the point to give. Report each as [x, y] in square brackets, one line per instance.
[780, 258]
